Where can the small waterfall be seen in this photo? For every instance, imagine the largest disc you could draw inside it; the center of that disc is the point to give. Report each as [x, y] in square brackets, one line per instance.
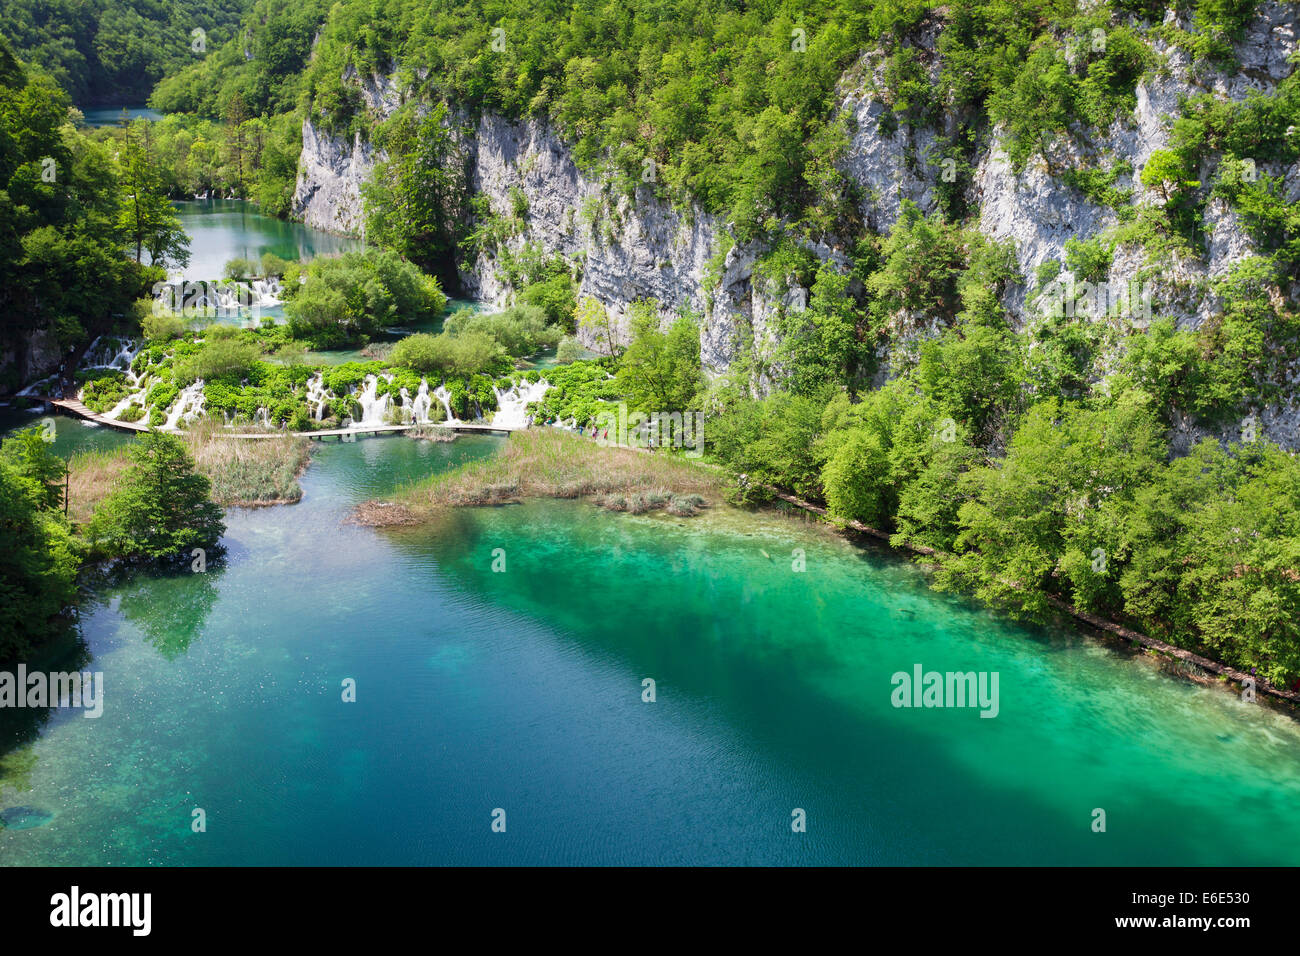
[120, 407]
[266, 291]
[421, 404]
[317, 395]
[373, 407]
[442, 395]
[512, 404]
[118, 354]
[189, 405]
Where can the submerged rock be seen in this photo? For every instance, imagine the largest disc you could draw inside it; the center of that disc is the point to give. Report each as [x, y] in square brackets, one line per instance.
[24, 818]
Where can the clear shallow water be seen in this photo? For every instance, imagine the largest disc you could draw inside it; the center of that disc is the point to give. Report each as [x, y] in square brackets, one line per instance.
[522, 690]
[225, 229]
[71, 435]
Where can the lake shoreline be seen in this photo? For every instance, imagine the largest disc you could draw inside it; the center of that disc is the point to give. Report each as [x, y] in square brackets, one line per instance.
[1109, 627]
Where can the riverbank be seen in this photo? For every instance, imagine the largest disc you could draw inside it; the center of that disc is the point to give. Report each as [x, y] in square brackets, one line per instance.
[553, 463]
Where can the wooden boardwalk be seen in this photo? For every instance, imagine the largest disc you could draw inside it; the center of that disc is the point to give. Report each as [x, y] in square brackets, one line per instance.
[74, 407]
[77, 409]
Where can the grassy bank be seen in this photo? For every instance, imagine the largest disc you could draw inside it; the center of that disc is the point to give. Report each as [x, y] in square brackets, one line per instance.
[91, 476]
[550, 463]
[243, 472]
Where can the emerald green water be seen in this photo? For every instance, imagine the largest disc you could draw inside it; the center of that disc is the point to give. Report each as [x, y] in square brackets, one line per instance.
[522, 690]
[70, 435]
[225, 229]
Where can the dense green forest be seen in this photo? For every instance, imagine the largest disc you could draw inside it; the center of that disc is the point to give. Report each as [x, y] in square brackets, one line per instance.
[79, 223]
[114, 51]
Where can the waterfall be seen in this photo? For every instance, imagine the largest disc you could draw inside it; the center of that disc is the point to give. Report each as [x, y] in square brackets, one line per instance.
[110, 355]
[265, 291]
[373, 407]
[443, 395]
[189, 405]
[317, 395]
[422, 403]
[512, 404]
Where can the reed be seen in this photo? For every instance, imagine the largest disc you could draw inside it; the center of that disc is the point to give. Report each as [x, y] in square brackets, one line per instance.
[92, 475]
[551, 463]
[244, 472]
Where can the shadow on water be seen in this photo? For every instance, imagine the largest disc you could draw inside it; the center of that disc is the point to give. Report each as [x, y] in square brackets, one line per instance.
[633, 598]
[20, 727]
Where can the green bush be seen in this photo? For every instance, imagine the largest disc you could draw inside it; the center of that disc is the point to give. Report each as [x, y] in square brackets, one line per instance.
[238, 269]
[160, 508]
[38, 565]
[348, 298]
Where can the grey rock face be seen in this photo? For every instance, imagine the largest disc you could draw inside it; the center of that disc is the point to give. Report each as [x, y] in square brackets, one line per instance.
[330, 175]
[630, 249]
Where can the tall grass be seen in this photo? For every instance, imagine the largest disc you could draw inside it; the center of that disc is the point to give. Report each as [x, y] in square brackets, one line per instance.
[243, 471]
[550, 463]
[247, 471]
[91, 476]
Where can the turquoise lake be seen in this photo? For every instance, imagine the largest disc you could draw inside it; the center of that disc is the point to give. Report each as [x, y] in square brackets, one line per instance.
[112, 115]
[225, 229]
[522, 690]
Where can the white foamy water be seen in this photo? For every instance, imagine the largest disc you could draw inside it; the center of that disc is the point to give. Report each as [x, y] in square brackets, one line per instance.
[373, 407]
[512, 404]
[317, 395]
[442, 395]
[422, 402]
[189, 405]
[111, 354]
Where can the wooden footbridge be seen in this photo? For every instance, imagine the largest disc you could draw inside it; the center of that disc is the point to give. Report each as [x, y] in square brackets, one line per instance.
[78, 410]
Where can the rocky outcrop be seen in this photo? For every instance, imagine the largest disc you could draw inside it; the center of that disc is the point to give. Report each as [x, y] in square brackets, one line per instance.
[890, 161]
[35, 357]
[330, 174]
[629, 248]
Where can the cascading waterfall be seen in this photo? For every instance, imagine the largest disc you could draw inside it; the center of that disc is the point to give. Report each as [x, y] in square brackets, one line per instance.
[189, 405]
[442, 395]
[119, 356]
[421, 404]
[373, 406]
[512, 404]
[317, 395]
[266, 291]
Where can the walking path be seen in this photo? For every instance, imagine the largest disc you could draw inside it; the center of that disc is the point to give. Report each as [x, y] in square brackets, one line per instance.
[74, 407]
